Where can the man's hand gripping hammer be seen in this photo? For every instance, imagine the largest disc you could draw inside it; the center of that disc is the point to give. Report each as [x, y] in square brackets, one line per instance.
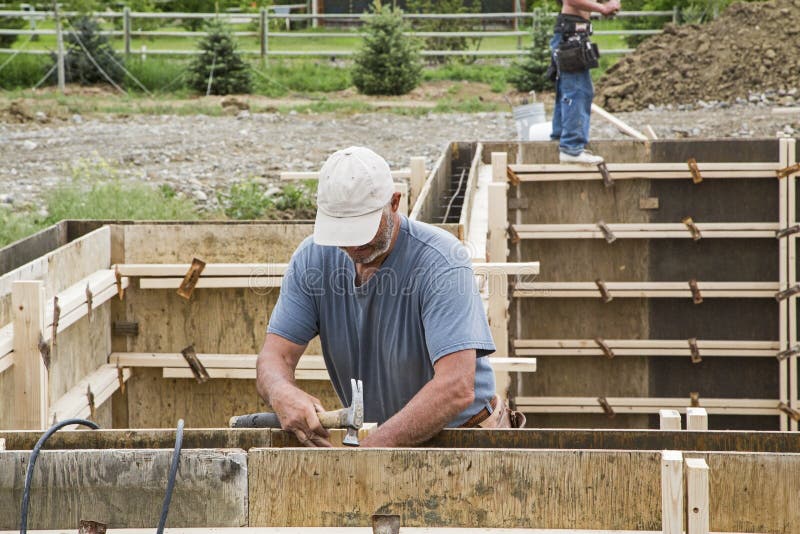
[351, 418]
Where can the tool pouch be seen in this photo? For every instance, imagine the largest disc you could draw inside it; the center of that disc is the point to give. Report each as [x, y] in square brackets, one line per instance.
[577, 54]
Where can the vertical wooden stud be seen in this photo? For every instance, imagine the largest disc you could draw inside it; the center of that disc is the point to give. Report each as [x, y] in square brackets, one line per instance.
[402, 188]
[499, 167]
[697, 505]
[669, 420]
[783, 283]
[30, 372]
[672, 492]
[696, 419]
[417, 179]
[791, 184]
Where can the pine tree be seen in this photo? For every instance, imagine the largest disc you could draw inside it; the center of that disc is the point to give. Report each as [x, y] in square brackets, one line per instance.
[388, 62]
[529, 74]
[87, 52]
[219, 69]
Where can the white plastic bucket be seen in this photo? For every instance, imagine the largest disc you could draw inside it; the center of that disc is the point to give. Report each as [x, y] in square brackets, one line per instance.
[527, 116]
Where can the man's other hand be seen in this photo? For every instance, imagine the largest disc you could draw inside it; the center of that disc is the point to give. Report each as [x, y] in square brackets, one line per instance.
[297, 411]
[610, 8]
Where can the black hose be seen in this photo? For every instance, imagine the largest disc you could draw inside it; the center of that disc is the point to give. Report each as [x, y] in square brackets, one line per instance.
[26, 492]
[173, 471]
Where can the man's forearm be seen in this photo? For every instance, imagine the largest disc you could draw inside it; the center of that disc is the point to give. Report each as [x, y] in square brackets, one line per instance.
[424, 416]
[272, 372]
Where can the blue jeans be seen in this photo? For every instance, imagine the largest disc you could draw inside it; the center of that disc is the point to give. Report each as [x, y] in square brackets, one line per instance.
[574, 93]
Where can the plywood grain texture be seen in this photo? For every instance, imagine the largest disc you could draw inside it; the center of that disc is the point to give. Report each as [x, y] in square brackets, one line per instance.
[466, 488]
[125, 488]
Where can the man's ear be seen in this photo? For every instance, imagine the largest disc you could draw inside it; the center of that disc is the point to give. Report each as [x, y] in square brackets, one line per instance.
[396, 201]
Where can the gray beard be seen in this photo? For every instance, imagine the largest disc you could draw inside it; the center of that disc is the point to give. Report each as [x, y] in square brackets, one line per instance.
[384, 243]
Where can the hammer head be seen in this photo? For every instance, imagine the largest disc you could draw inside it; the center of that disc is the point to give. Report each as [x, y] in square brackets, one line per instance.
[355, 414]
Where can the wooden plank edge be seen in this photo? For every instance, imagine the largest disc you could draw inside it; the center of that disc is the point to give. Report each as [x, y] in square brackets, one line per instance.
[103, 382]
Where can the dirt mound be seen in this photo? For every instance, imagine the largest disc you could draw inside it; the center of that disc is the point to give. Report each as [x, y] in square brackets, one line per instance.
[751, 47]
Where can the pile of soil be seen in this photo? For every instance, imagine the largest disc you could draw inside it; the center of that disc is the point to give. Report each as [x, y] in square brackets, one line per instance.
[750, 48]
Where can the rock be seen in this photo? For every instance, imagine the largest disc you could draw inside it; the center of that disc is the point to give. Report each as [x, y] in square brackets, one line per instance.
[272, 191]
[199, 195]
[29, 145]
[77, 119]
[40, 116]
[6, 199]
[244, 114]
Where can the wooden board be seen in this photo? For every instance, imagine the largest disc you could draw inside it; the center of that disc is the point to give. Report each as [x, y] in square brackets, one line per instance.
[125, 488]
[468, 488]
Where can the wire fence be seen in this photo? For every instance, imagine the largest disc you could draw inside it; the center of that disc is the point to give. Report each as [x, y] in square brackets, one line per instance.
[262, 21]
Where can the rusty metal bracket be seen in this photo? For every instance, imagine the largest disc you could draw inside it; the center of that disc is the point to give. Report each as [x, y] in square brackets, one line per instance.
[788, 231]
[512, 177]
[607, 233]
[694, 170]
[697, 297]
[89, 302]
[607, 352]
[192, 277]
[90, 400]
[604, 294]
[118, 277]
[788, 353]
[786, 293]
[788, 410]
[513, 235]
[607, 409]
[197, 367]
[694, 399]
[91, 527]
[694, 350]
[607, 180]
[788, 171]
[693, 229]
[44, 351]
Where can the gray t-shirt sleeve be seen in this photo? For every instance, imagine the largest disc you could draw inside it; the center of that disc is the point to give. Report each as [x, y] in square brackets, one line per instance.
[453, 315]
[296, 315]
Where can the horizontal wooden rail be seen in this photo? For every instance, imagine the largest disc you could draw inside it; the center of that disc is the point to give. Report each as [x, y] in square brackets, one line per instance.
[645, 347]
[242, 366]
[254, 282]
[644, 405]
[645, 290]
[752, 230]
[650, 171]
[102, 383]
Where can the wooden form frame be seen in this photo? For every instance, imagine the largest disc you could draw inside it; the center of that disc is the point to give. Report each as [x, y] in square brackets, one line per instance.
[645, 347]
[646, 405]
[243, 366]
[788, 148]
[90, 392]
[787, 336]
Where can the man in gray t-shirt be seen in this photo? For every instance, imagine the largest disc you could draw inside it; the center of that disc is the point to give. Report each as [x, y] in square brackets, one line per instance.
[401, 312]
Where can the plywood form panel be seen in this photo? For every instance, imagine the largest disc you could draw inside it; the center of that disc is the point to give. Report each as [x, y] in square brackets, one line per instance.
[613, 151]
[125, 488]
[587, 202]
[581, 260]
[713, 150]
[718, 260]
[156, 402]
[467, 488]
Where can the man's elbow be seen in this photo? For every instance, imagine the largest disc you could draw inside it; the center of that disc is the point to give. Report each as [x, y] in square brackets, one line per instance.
[464, 394]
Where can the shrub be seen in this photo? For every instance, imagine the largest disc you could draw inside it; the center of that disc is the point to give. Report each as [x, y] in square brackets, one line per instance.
[247, 201]
[79, 64]
[388, 62]
[529, 73]
[23, 71]
[219, 69]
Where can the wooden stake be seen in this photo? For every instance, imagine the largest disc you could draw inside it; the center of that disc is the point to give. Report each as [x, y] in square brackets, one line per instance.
[30, 375]
[697, 502]
[783, 284]
[669, 420]
[672, 492]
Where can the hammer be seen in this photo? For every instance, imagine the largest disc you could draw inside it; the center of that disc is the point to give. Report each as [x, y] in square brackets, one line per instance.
[351, 418]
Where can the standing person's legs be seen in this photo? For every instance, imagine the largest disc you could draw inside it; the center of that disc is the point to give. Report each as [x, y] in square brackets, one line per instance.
[555, 133]
[575, 99]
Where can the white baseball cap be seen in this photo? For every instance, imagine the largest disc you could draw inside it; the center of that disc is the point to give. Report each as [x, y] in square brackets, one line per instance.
[354, 186]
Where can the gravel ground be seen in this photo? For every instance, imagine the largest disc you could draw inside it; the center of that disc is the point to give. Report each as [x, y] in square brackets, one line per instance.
[201, 155]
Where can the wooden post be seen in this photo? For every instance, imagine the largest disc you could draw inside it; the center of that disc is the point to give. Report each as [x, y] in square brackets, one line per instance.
[783, 273]
[791, 158]
[59, 50]
[30, 373]
[264, 26]
[417, 179]
[669, 420]
[672, 492]
[126, 30]
[402, 188]
[499, 166]
[696, 419]
[314, 11]
[697, 505]
[497, 242]
[497, 251]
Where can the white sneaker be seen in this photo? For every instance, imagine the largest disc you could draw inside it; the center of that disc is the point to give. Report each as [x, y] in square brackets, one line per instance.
[584, 158]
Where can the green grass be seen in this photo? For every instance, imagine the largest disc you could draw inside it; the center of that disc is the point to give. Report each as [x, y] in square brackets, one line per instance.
[157, 74]
[15, 226]
[22, 70]
[279, 78]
